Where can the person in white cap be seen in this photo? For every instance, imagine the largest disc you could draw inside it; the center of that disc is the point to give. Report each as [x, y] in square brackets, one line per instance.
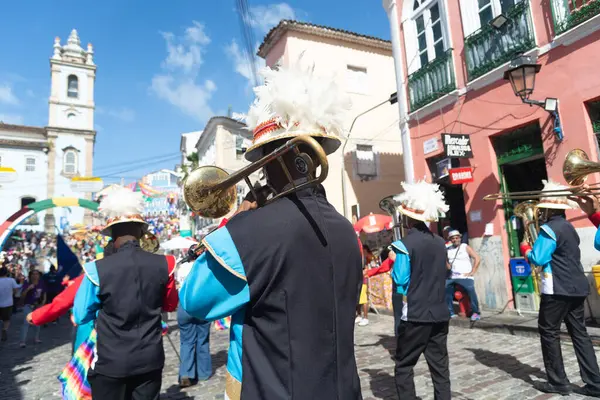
[464, 263]
[419, 275]
[564, 289]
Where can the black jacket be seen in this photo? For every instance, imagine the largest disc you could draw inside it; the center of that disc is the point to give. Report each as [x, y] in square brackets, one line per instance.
[132, 288]
[303, 267]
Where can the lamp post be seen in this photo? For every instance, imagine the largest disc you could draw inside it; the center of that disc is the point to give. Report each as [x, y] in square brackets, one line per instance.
[393, 99]
[521, 74]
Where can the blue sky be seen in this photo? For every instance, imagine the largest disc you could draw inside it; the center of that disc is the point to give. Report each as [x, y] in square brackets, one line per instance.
[164, 68]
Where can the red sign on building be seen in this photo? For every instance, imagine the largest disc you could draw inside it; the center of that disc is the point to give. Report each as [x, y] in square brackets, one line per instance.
[461, 175]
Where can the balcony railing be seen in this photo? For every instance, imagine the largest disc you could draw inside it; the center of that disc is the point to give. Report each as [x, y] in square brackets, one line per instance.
[489, 48]
[570, 13]
[431, 81]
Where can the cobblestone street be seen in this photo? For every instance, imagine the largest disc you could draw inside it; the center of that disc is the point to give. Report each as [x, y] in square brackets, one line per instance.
[483, 365]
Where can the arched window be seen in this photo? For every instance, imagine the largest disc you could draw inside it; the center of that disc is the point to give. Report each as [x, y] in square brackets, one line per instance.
[73, 86]
[70, 162]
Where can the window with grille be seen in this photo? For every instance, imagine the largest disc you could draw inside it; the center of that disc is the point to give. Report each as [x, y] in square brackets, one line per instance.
[72, 86]
[29, 164]
[366, 162]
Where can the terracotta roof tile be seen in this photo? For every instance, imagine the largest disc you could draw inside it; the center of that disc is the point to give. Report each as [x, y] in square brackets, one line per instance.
[275, 34]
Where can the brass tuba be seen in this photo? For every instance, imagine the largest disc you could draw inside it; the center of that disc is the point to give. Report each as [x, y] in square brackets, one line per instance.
[211, 192]
[149, 242]
[528, 213]
[388, 204]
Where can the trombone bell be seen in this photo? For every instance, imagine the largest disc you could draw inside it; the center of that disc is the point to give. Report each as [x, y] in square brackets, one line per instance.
[577, 167]
[200, 196]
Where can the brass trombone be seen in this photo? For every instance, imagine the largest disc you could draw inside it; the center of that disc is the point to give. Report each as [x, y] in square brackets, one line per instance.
[211, 192]
[576, 168]
[149, 242]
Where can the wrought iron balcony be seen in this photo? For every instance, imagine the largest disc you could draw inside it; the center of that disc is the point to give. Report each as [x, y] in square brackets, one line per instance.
[568, 14]
[431, 81]
[488, 48]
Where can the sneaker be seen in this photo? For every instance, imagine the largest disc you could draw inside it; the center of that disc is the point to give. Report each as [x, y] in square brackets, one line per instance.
[363, 322]
[357, 320]
[547, 387]
[475, 317]
[452, 316]
[589, 391]
[4, 335]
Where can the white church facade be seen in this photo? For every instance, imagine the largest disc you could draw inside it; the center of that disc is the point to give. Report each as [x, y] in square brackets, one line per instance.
[47, 158]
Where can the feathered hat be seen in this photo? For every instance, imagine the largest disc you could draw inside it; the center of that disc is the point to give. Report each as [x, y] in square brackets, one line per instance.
[122, 205]
[294, 101]
[422, 201]
[558, 203]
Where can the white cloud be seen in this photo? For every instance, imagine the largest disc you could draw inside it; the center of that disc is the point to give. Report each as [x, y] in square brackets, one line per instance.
[178, 84]
[123, 113]
[185, 52]
[241, 64]
[11, 119]
[265, 17]
[7, 96]
[191, 98]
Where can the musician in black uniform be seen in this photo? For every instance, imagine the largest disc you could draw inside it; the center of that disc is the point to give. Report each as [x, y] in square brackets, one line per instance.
[125, 294]
[564, 290]
[289, 273]
[419, 275]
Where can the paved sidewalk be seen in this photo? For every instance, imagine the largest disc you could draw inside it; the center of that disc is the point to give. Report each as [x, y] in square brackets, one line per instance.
[483, 365]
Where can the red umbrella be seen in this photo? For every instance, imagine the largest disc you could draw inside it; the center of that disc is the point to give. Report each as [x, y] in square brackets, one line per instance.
[373, 223]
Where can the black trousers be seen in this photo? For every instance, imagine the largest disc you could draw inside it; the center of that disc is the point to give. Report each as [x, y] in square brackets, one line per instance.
[414, 339]
[554, 310]
[137, 387]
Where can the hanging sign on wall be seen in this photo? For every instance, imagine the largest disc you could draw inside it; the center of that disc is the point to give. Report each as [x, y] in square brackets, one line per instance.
[461, 175]
[457, 145]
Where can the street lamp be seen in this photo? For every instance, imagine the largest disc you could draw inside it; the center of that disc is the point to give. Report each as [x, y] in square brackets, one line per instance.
[521, 74]
[393, 99]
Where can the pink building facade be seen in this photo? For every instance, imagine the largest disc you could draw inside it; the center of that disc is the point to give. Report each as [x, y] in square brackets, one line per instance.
[452, 64]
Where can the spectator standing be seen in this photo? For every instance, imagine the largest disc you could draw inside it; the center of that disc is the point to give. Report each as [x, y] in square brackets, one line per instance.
[464, 263]
[8, 287]
[33, 296]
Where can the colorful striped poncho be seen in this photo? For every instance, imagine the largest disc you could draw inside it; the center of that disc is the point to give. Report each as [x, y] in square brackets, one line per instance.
[73, 377]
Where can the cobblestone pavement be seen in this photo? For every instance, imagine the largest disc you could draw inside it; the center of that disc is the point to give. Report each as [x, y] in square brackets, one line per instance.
[483, 365]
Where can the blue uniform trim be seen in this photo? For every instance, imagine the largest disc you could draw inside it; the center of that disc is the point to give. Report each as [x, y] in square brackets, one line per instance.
[548, 231]
[82, 334]
[87, 301]
[221, 246]
[216, 286]
[234, 358]
[597, 240]
[401, 269]
[543, 248]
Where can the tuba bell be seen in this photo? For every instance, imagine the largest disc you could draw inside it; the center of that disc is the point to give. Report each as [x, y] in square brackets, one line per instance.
[149, 242]
[388, 204]
[528, 213]
[577, 167]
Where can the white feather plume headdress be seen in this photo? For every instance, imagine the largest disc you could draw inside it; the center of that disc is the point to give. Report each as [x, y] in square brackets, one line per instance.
[295, 101]
[559, 203]
[422, 201]
[122, 205]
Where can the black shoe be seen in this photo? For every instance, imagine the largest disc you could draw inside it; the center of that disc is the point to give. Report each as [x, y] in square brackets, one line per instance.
[185, 382]
[550, 388]
[589, 391]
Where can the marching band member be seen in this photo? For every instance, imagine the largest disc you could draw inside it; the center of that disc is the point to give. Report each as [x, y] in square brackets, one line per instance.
[564, 289]
[124, 294]
[419, 274]
[289, 273]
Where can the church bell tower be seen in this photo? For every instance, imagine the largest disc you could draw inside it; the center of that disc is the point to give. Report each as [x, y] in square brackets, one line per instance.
[70, 127]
